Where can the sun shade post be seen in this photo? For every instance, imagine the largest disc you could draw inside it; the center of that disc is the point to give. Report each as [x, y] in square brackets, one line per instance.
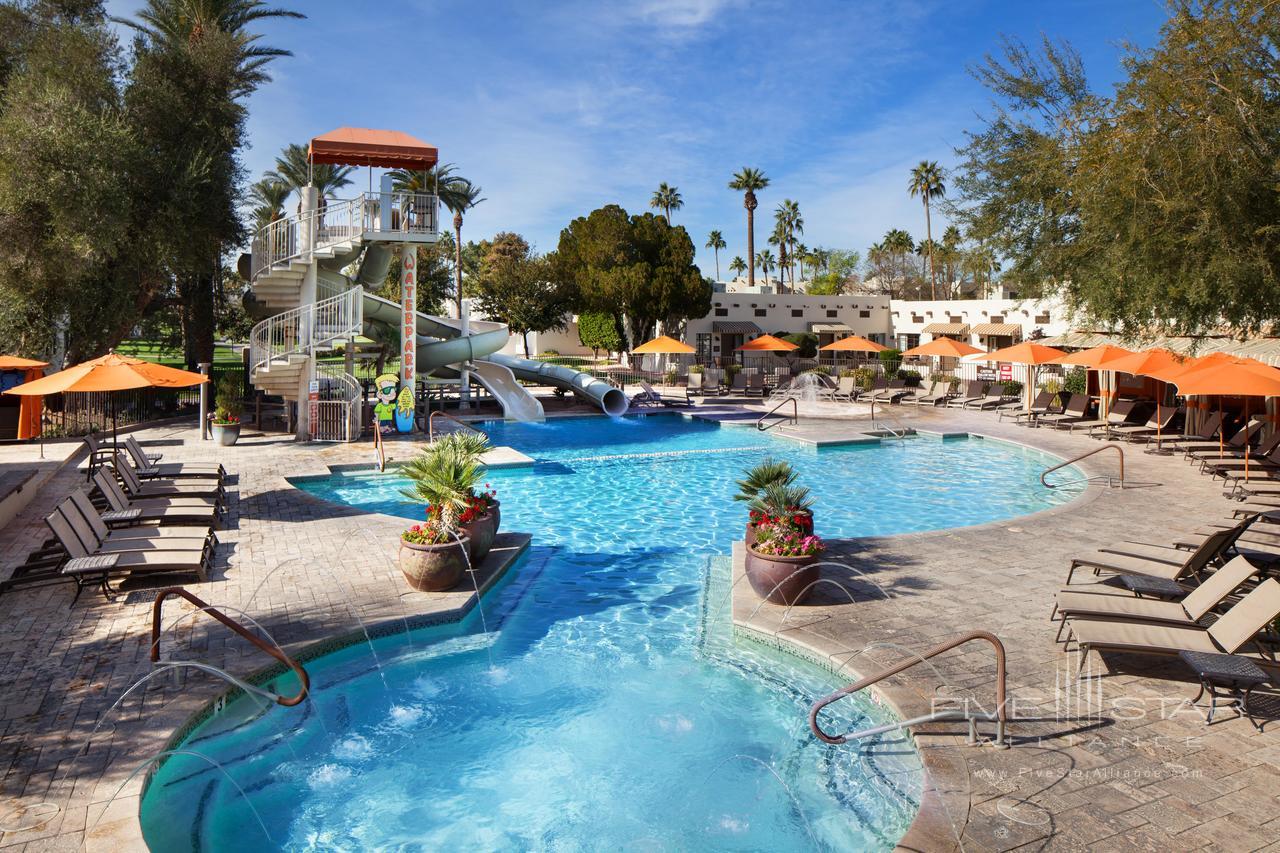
[204, 403]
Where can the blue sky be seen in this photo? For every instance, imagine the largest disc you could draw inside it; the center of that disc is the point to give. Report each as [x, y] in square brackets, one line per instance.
[556, 108]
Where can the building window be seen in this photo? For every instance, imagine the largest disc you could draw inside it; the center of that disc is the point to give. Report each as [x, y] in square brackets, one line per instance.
[722, 312]
[954, 319]
[760, 312]
[1042, 318]
[703, 345]
[864, 313]
[916, 318]
[997, 318]
[831, 312]
[797, 312]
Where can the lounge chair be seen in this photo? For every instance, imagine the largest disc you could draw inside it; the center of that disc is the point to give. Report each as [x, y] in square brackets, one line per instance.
[99, 454]
[163, 511]
[938, 398]
[86, 521]
[158, 488]
[1117, 415]
[1230, 634]
[994, 396]
[755, 385]
[739, 383]
[914, 394]
[150, 468]
[1266, 459]
[1041, 405]
[1075, 409]
[695, 384]
[1194, 606]
[1157, 424]
[1168, 563]
[973, 390]
[846, 389]
[651, 397]
[893, 391]
[1216, 449]
[89, 565]
[1205, 436]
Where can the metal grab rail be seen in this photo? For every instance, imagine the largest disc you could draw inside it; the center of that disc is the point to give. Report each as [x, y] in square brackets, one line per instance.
[1000, 715]
[795, 414]
[379, 449]
[235, 627]
[431, 425]
[1117, 448]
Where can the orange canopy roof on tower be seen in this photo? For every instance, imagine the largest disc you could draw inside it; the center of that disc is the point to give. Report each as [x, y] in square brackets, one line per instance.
[13, 362]
[1024, 353]
[359, 146]
[947, 347]
[111, 372]
[768, 343]
[664, 344]
[853, 343]
[1096, 357]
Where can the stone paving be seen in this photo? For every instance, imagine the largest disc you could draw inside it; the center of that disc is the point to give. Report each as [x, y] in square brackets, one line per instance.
[1118, 779]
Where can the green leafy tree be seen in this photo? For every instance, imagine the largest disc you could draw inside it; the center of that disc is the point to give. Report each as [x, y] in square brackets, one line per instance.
[598, 330]
[927, 182]
[521, 289]
[749, 181]
[638, 267]
[715, 242]
[666, 198]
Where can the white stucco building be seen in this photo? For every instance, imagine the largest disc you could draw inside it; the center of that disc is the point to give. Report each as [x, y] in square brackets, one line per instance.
[986, 323]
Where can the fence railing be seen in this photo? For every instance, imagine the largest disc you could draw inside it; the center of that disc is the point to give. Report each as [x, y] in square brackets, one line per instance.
[79, 413]
[406, 213]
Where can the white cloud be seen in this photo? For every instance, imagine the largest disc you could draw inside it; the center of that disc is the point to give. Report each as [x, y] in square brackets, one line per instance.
[680, 14]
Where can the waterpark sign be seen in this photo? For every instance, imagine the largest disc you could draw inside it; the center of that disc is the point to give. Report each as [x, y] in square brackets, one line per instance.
[408, 307]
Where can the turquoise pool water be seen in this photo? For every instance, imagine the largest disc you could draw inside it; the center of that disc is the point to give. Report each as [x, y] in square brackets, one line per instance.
[606, 706]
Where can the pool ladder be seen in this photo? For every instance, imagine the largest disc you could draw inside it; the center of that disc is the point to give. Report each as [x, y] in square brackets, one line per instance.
[793, 419]
[1109, 480]
[998, 716]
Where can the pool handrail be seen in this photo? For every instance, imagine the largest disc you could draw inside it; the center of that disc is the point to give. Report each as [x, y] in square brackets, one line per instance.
[431, 424]
[274, 651]
[1000, 715]
[794, 419]
[1117, 448]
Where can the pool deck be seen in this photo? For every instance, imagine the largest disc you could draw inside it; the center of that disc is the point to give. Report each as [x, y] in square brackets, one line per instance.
[1117, 779]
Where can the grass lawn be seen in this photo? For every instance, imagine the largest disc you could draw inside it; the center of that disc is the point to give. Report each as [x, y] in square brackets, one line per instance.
[171, 355]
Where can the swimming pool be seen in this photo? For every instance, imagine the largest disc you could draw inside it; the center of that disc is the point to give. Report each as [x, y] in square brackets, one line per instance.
[607, 705]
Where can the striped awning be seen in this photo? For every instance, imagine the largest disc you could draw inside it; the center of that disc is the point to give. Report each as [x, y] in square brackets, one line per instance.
[735, 327]
[829, 328]
[946, 329]
[1003, 329]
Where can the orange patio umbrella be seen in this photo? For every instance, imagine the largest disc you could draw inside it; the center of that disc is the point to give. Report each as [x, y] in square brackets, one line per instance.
[853, 343]
[1095, 358]
[663, 345]
[768, 343]
[1157, 363]
[944, 347]
[1030, 354]
[111, 372]
[1232, 378]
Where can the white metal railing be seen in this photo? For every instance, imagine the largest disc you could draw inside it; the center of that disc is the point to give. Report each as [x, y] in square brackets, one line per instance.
[338, 409]
[300, 329]
[400, 212]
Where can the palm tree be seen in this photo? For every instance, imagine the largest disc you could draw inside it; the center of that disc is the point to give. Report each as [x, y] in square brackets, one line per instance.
[802, 257]
[791, 222]
[738, 265]
[421, 180]
[748, 181]
[765, 261]
[715, 242]
[926, 182]
[183, 26]
[668, 198]
[294, 167]
[459, 195]
[778, 238]
[268, 197]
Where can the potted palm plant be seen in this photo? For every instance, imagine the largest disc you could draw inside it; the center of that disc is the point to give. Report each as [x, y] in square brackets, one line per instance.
[227, 407]
[446, 475]
[781, 564]
[757, 479]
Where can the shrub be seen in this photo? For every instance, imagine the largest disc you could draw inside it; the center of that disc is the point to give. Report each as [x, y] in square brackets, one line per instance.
[821, 368]
[912, 377]
[671, 376]
[599, 331]
[227, 404]
[890, 359]
[731, 370]
[550, 352]
[1076, 381]
[1051, 386]
[807, 341]
[1012, 387]
[865, 376]
[695, 368]
[848, 371]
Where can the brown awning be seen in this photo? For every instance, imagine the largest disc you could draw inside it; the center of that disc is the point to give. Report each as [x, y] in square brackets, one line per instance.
[1005, 329]
[735, 327]
[358, 146]
[829, 328]
[946, 329]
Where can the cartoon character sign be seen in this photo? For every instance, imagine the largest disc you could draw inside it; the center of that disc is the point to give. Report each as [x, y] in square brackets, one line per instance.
[404, 410]
[386, 389]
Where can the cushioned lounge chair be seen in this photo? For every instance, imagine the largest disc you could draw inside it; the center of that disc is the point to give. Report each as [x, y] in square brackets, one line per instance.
[1233, 633]
[1199, 602]
[894, 390]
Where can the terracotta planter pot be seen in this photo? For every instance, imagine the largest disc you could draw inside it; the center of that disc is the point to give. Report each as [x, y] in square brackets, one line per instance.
[482, 532]
[226, 434]
[781, 580]
[434, 568]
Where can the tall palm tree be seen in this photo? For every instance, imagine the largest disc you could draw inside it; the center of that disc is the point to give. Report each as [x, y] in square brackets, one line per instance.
[765, 261]
[926, 182]
[667, 198]
[791, 222]
[421, 180]
[459, 195]
[749, 181]
[715, 242]
[738, 265]
[268, 197]
[295, 168]
[802, 257]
